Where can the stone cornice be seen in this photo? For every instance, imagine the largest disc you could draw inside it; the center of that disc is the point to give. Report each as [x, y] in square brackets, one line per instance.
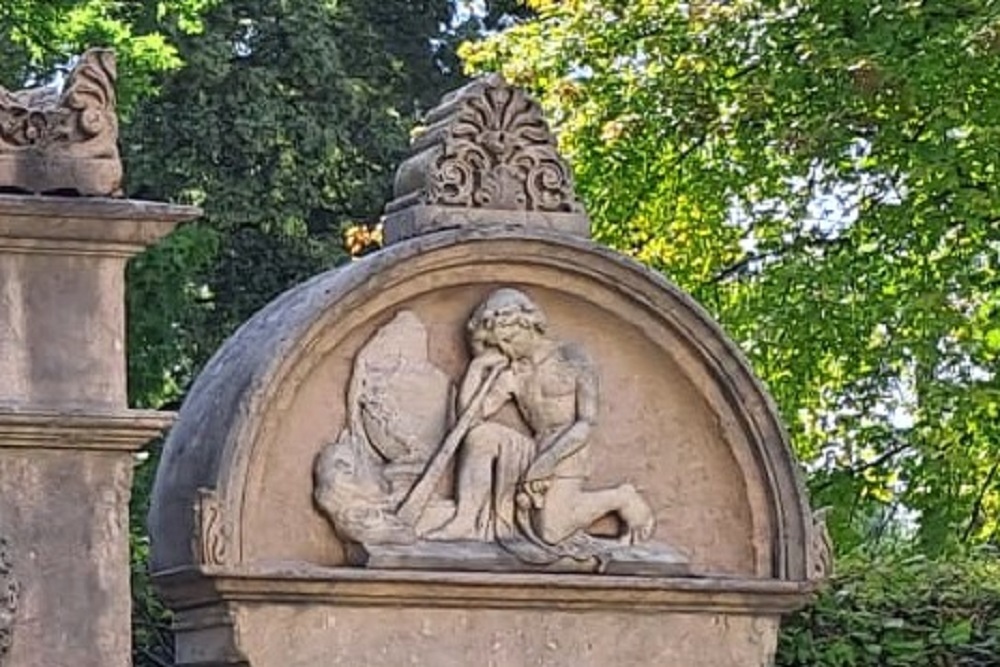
[85, 226]
[309, 584]
[127, 431]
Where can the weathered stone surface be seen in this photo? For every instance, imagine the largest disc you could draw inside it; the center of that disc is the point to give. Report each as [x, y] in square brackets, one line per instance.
[67, 483]
[698, 423]
[372, 637]
[67, 438]
[10, 596]
[521, 498]
[62, 292]
[682, 420]
[63, 141]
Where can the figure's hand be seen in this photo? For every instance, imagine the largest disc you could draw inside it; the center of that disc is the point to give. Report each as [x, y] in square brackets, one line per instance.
[541, 468]
[489, 359]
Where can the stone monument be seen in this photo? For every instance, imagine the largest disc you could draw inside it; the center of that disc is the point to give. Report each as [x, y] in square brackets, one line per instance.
[491, 443]
[63, 141]
[66, 433]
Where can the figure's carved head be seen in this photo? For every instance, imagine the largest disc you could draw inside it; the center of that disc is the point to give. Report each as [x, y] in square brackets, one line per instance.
[508, 320]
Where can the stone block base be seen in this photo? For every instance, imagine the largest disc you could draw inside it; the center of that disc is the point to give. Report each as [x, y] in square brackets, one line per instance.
[299, 636]
[302, 616]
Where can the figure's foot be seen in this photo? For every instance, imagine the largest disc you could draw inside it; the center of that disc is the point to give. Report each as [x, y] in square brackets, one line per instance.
[638, 516]
[455, 530]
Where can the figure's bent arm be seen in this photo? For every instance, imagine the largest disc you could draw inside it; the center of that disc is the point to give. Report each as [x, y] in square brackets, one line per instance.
[479, 371]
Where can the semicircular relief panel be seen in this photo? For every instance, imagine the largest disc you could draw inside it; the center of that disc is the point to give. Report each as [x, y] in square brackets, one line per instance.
[532, 421]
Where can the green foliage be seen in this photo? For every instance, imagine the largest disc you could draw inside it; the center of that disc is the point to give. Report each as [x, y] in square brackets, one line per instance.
[900, 612]
[283, 124]
[37, 36]
[823, 175]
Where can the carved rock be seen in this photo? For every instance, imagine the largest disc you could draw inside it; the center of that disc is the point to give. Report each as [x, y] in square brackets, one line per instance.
[214, 532]
[398, 407]
[63, 141]
[820, 548]
[488, 151]
[598, 412]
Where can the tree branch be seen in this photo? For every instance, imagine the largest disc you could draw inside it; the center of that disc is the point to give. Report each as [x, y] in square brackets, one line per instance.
[977, 508]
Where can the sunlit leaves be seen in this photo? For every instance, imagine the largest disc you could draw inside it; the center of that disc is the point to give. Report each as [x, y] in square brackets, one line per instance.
[824, 177]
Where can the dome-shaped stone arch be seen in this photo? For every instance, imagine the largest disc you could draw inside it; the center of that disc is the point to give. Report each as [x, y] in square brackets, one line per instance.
[232, 490]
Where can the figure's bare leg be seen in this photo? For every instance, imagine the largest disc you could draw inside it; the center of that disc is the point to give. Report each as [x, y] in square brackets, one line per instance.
[487, 447]
[568, 508]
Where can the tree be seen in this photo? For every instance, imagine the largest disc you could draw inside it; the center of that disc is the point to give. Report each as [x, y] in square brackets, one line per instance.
[37, 37]
[822, 176]
[284, 123]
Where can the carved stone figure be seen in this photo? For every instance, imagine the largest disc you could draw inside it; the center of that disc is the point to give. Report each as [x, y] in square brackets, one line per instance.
[516, 487]
[520, 497]
[63, 141]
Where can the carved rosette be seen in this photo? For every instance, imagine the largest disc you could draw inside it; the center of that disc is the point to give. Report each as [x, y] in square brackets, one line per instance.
[64, 141]
[487, 146]
[10, 592]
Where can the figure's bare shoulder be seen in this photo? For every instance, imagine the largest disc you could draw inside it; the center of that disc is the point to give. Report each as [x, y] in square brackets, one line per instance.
[575, 356]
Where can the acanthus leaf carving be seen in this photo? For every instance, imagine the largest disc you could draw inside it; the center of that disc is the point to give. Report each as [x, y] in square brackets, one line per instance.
[488, 147]
[820, 547]
[64, 140]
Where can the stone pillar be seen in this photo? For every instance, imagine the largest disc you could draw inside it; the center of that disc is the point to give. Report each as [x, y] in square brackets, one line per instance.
[67, 437]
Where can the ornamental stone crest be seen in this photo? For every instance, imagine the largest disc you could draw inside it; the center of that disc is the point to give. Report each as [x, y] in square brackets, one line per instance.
[63, 141]
[485, 149]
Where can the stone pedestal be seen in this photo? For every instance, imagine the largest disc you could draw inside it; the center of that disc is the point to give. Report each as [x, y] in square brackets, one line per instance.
[66, 433]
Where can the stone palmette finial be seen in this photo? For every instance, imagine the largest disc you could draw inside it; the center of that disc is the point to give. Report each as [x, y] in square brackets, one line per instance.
[485, 157]
[63, 141]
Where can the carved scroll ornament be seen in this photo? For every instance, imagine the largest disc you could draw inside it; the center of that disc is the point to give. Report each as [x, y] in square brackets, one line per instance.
[487, 145]
[518, 497]
[213, 529]
[63, 141]
[820, 548]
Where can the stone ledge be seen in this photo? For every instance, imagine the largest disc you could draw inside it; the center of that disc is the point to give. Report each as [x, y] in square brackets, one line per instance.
[190, 588]
[127, 431]
[85, 226]
[418, 220]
